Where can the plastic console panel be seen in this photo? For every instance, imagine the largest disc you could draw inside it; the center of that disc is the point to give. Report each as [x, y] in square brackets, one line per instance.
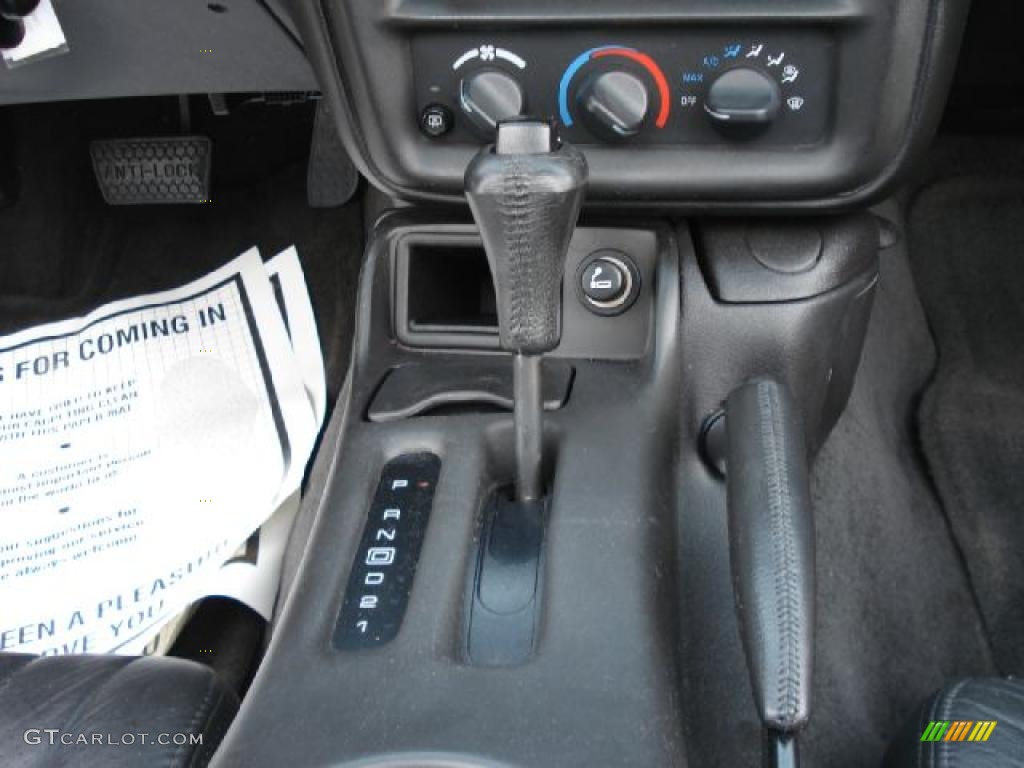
[637, 652]
[153, 48]
[603, 668]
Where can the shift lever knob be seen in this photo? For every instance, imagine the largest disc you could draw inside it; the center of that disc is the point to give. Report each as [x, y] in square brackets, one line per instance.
[525, 193]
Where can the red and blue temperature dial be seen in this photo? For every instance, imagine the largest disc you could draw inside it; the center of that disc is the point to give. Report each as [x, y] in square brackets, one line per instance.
[620, 51]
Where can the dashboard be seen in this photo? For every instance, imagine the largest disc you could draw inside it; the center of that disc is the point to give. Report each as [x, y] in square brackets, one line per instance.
[704, 105]
[701, 88]
[123, 48]
[695, 104]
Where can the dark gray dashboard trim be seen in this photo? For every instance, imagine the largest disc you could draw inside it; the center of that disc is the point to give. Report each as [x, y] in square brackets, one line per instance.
[421, 13]
[156, 48]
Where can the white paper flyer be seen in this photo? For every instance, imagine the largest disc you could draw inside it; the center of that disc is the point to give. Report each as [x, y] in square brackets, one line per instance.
[140, 446]
[252, 574]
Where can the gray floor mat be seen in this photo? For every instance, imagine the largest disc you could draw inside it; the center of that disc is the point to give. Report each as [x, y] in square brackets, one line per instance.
[163, 246]
[63, 252]
[895, 615]
[967, 245]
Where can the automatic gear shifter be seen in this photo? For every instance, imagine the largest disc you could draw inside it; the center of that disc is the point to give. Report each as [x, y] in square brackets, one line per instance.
[525, 192]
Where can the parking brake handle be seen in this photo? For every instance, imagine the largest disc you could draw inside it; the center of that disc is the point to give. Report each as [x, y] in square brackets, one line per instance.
[771, 551]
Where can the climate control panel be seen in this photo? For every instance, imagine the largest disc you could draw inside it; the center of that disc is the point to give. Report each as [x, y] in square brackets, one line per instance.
[697, 87]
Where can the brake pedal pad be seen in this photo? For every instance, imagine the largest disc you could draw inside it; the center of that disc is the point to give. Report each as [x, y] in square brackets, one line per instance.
[153, 171]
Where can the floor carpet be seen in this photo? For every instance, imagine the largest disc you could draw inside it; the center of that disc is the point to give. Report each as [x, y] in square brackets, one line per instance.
[63, 251]
[967, 244]
[896, 619]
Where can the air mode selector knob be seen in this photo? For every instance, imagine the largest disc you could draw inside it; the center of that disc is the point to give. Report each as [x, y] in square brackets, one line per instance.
[743, 96]
[614, 104]
[490, 96]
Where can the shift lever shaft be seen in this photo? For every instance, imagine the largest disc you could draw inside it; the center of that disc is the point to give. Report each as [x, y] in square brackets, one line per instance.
[525, 193]
[529, 412]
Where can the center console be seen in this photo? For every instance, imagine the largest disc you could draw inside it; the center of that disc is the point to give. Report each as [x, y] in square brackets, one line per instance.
[421, 682]
[562, 511]
[605, 633]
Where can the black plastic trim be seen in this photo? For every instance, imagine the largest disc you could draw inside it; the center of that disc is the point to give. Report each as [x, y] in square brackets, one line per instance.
[426, 13]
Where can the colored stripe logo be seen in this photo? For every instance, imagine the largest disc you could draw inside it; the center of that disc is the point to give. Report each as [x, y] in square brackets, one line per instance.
[958, 730]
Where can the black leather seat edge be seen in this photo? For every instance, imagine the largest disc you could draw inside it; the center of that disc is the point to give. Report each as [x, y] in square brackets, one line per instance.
[928, 742]
[92, 711]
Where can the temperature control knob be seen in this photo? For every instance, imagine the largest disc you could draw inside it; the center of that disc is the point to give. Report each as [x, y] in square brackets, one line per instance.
[614, 104]
[489, 96]
[743, 97]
